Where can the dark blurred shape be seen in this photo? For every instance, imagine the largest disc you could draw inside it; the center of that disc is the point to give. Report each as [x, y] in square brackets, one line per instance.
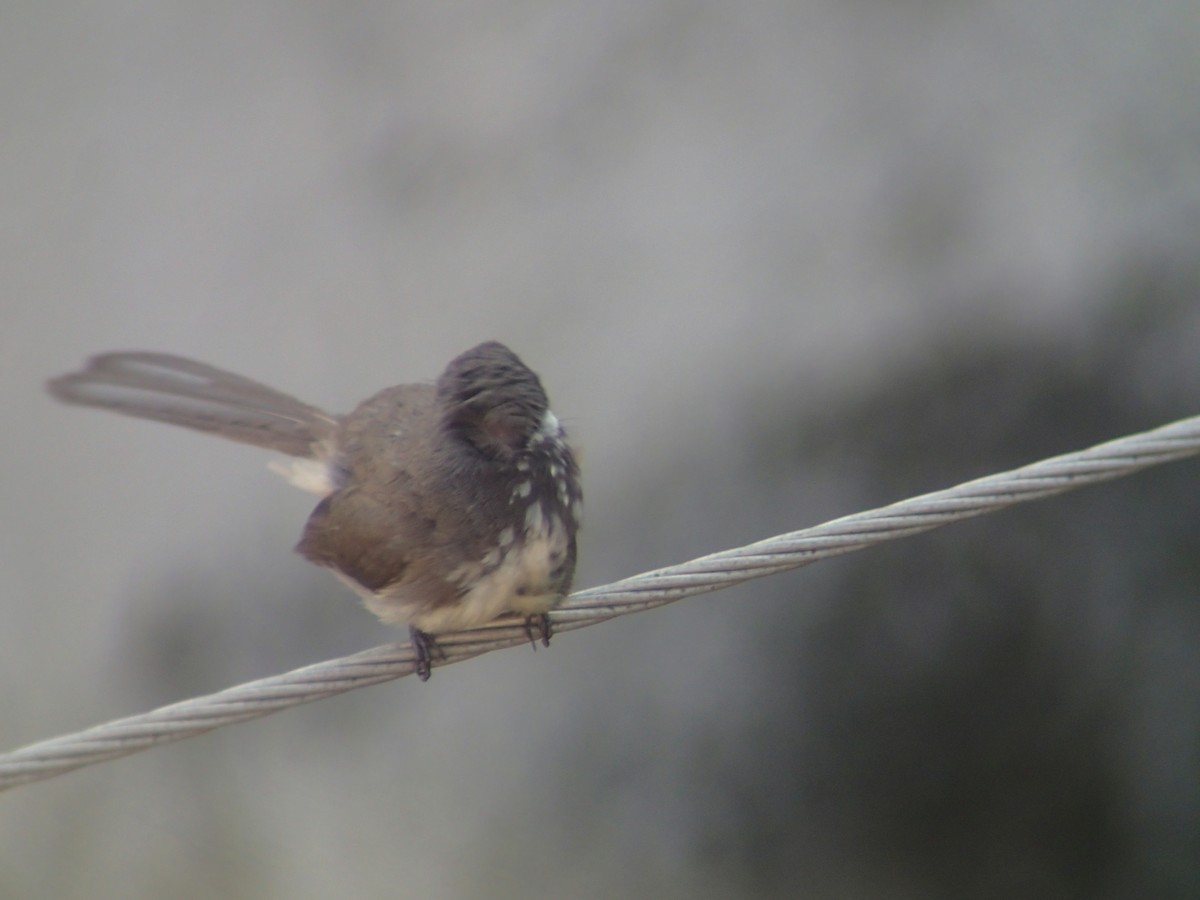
[1004, 708]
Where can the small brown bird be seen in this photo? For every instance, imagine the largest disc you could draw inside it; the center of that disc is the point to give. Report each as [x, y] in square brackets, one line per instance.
[443, 505]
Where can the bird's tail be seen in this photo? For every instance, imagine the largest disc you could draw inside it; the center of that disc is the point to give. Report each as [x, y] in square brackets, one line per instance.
[173, 389]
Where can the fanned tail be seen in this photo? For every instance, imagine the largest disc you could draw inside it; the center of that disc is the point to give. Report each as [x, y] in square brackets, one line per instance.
[183, 392]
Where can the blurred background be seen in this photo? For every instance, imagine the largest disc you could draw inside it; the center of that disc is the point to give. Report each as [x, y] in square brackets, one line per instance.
[775, 262]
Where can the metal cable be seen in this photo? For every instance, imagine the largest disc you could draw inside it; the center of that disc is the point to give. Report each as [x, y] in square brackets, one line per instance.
[177, 721]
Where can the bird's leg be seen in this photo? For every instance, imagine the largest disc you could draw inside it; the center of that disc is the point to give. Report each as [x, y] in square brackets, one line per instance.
[424, 647]
[537, 625]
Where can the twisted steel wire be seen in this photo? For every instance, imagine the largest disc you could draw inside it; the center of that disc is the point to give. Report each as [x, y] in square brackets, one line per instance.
[177, 721]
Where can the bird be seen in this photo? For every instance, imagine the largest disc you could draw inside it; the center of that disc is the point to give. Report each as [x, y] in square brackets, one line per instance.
[443, 505]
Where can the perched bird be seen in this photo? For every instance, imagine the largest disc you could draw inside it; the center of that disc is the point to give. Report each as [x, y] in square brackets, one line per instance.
[443, 505]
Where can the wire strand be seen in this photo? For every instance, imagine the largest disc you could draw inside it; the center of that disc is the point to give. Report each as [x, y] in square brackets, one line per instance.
[253, 699]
